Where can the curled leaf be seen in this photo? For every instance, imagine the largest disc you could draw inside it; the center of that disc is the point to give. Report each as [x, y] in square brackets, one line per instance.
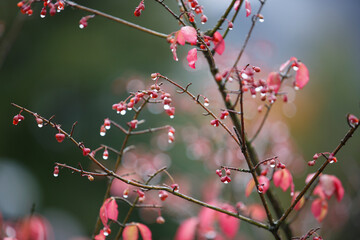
[219, 43]
[192, 57]
[302, 76]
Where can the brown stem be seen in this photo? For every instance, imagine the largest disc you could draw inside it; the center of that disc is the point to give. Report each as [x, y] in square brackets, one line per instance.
[318, 172]
[116, 19]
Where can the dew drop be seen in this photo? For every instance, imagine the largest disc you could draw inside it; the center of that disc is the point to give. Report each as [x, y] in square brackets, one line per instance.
[170, 141]
[56, 174]
[40, 125]
[259, 191]
[331, 161]
[102, 134]
[81, 26]
[58, 10]
[226, 182]
[202, 22]
[253, 95]
[105, 157]
[125, 195]
[261, 20]
[166, 106]
[244, 75]
[172, 116]
[42, 16]
[123, 112]
[106, 233]
[170, 134]
[295, 68]
[296, 88]
[107, 127]
[272, 165]
[206, 104]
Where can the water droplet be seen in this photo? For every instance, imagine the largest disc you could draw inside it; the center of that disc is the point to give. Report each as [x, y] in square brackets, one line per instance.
[331, 161]
[202, 22]
[170, 141]
[170, 134]
[123, 112]
[296, 88]
[107, 127]
[272, 165]
[81, 26]
[244, 75]
[230, 29]
[172, 116]
[106, 233]
[226, 182]
[166, 107]
[206, 104]
[125, 195]
[42, 16]
[56, 174]
[58, 10]
[260, 191]
[261, 20]
[40, 125]
[295, 68]
[253, 95]
[105, 157]
[102, 134]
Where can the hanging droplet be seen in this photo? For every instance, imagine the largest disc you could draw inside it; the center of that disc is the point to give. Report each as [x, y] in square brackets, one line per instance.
[126, 193]
[166, 106]
[295, 68]
[56, 171]
[123, 112]
[81, 26]
[206, 104]
[272, 163]
[260, 191]
[42, 16]
[172, 116]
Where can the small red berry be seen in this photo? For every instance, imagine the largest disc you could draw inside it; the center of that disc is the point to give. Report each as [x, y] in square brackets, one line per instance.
[311, 163]
[163, 195]
[60, 137]
[219, 172]
[56, 171]
[215, 122]
[175, 187]
[218, 77]
[86, 151]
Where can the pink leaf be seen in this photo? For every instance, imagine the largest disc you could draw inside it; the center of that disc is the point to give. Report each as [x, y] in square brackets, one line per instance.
[274, 81]
[327, 185]
[180, 39]
[108, 211]
[187, 229]
[112, 209]
[189, 34]
[248, 8]
[144, 231]
[206, 219]
[237, 5]
[339, 189]
[300, 203]
[283, 178]
[319, 209]
[302, 76]
[219, 43]
[228, 224]
[285, 64]
[130, 233]
[192, 57]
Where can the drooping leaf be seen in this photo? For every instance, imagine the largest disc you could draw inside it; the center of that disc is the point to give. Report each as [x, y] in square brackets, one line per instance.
[283, 178]
[302, 76]
[187, 229]
[109, 210]
[274, 81]
[319, 208]
[264, 181]
[189, 34]
[256, 212]
[192, 57]
[229, 225]
[219, 43]
[207, 218]
[339, 189]
[300, 203]
[327, 185]
[130, 232]
[144, 231]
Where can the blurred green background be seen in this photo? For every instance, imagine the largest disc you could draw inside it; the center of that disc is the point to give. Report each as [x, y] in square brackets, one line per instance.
[53, 67]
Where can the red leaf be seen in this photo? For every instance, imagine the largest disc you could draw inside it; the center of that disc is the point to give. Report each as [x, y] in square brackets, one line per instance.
[144, 231]
[300, 202]
[219, 43]
[189, 34]
[228, 224]
[319, 209]
[274, 81]
[283, 178]
[302, 76]
[130, 233]
[327, 185]
[339, 189]
[192, 57]
[187, 229]
[108, 211]
[248, 8]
